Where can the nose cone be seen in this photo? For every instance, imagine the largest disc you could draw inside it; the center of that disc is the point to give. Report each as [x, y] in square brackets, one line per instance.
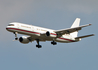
[6, 28]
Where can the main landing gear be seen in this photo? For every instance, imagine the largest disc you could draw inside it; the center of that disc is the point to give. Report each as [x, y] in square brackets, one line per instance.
[38, 46]
[53, 42]
[16, 35]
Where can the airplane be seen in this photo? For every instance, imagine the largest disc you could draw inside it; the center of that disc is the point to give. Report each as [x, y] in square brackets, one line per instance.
[67, 35]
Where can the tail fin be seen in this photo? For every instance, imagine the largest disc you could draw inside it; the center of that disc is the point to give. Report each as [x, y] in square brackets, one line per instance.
[75, 24]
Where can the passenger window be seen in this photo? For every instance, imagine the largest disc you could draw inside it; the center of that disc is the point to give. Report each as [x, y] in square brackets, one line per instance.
[11, 25]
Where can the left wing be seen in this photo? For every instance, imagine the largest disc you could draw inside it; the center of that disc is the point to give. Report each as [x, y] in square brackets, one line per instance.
[69, 30]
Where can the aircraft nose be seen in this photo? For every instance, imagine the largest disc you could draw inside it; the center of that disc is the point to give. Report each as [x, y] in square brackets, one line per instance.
[6, 28]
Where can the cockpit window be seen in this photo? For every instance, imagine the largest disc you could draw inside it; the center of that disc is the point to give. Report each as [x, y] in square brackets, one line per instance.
[11, 25]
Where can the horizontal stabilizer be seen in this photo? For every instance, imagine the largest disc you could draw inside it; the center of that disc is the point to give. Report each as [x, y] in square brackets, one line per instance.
[84, 36]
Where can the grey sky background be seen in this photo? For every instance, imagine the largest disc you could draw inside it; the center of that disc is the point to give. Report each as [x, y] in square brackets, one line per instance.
[54, 14]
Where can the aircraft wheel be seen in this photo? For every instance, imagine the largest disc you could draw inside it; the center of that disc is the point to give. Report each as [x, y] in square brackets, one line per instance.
[54, 43]
[16, 38]
[38, 46]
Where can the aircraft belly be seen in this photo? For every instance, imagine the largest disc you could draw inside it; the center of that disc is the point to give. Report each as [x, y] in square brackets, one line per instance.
[64, 40]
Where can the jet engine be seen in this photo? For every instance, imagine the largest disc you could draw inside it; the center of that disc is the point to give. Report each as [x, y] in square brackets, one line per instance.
[24, 40]
[48, 34]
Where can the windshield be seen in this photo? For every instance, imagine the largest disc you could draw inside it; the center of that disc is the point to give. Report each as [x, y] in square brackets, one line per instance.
[11, 25]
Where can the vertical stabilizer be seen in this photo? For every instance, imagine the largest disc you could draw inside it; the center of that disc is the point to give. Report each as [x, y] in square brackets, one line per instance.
[75, 24]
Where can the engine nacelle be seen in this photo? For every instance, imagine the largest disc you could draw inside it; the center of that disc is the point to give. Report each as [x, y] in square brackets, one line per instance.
[24, 40]
[51, 34]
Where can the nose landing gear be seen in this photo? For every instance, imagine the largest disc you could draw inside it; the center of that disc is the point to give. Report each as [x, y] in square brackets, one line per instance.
[16, 35]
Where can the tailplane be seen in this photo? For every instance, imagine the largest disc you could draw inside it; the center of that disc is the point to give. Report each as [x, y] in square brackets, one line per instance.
[84, 36]
[75, 24]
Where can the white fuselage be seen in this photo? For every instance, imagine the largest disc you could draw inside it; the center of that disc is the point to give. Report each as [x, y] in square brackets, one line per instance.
[38, 33]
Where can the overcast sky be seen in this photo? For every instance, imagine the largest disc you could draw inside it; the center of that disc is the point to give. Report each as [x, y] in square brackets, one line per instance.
[53, 14]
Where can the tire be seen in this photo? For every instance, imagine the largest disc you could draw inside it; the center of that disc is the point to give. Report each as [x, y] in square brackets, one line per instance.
[54, 43]
[38, 46]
